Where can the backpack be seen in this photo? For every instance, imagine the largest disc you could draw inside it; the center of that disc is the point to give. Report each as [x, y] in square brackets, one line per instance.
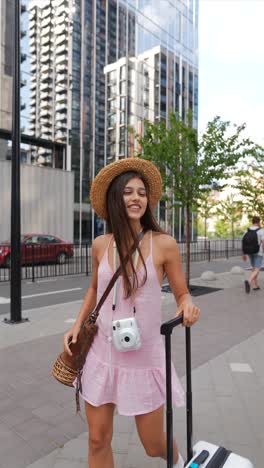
[250, 243]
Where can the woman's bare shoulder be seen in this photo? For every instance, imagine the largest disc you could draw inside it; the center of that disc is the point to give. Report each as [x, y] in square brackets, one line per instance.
[100, 243]
[164, 240]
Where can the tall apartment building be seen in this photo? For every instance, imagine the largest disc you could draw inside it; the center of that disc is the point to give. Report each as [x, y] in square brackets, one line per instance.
[147, 87]
[6, 54]
[50, 68]
[97, 67]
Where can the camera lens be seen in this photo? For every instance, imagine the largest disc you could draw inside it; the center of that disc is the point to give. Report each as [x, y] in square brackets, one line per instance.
[127, 339]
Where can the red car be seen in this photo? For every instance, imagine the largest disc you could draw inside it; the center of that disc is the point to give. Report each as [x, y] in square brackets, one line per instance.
[38, 248]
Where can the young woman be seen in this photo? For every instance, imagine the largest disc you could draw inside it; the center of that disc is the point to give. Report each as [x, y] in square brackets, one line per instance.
[125, 367]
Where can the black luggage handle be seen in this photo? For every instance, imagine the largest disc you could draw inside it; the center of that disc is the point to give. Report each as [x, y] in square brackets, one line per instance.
[166, 329]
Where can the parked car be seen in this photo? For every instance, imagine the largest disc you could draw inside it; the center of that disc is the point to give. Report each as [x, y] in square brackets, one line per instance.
[38, 248]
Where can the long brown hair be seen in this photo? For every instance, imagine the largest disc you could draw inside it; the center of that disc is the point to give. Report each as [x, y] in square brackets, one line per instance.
[118, 224]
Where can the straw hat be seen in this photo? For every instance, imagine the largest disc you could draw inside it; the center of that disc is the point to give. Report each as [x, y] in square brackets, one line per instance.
[104, 178]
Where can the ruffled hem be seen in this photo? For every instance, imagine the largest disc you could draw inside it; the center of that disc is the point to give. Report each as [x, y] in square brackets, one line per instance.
[134, 391]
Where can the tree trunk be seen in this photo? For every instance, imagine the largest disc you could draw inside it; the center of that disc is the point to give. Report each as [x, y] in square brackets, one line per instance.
[188, 240]
[233, 234]
[205, 232]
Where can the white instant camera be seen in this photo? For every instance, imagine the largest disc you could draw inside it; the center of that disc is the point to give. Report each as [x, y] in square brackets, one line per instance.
[126, 336]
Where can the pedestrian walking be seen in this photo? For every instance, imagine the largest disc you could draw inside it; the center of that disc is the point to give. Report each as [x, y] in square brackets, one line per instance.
[252, 246]
[125, 366]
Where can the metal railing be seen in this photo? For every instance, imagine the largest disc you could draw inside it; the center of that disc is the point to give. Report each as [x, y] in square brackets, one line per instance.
[42, 261]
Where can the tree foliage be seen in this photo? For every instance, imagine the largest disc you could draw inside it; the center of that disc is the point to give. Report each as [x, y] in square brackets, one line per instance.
[250, 183]
[191, 167]
[230, 211]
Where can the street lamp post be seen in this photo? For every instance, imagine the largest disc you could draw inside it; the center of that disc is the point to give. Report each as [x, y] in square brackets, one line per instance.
[15, 293]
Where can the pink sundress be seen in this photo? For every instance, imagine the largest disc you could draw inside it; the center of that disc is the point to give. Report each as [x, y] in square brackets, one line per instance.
[135, 381]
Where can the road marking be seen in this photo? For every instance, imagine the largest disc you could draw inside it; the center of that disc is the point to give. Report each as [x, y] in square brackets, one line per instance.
[43, 281]
[240, 367]
[5, 300]
[70, 320]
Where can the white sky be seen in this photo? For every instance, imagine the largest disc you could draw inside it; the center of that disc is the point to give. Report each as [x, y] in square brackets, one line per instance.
[231, 63]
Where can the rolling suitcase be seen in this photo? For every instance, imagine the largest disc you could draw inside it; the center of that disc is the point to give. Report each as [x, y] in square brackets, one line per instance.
[203, 454]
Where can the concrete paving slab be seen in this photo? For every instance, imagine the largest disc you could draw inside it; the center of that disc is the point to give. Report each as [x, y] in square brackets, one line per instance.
[228, 406]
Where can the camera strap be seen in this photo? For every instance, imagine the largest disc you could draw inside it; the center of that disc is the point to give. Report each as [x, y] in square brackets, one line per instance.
[135, 261]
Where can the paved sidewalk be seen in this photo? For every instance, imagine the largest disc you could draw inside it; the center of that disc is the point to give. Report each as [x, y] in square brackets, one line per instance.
[38, 427]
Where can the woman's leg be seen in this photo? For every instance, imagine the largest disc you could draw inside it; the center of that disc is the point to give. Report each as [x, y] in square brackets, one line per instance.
[152, 435]
[253, 279]
[100, 422]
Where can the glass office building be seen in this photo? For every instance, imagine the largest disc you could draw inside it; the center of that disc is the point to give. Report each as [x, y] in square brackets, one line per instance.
[135, 60]
[93, 70]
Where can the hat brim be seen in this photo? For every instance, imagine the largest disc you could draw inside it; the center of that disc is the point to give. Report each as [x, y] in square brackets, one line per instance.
[105, 177]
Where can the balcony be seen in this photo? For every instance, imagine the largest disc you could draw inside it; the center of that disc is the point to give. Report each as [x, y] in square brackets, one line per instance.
[45, 87]
[46, 12]
[32, 41]
[46, 104]
[33, 84]
[61, 20]
[46, 22]
[62, 9]
[33, 59]
[32, 31]
[32, 11]
[45, 96]
[45, 113]
[60, 135]
[46, 78]
[47, 49]
[61, 39]
[46, 69]
[45, 59]
[61, 59]
[46, 31]
[60, 30]
[62, 68]
[62, 98]
[61, 119]
[61, 107]
[61, 49]
[32, 126]
[61, 78]
[60, 88]
[47, 40]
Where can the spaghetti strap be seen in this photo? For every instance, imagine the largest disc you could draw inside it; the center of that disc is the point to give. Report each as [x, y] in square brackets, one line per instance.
[105, 255]
[151, 243]
[108, 245]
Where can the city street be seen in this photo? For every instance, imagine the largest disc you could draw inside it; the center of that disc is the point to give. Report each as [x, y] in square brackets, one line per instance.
[38, 425]
[64, 289]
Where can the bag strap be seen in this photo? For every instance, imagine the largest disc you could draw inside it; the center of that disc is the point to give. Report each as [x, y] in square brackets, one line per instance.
[94, 315]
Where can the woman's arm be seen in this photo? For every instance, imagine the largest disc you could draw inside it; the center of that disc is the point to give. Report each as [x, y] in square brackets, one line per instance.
[88, 304]
[176, 278]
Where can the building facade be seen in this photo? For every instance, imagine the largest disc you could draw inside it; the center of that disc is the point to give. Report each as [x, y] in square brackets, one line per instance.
[132, 60]
[50, 33]
[97, 68]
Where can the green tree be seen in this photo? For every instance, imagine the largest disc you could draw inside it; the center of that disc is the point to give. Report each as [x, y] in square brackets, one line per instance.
[191, 167]
[250, 183]
[205, 209]
[221, 229]
[230, 210]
